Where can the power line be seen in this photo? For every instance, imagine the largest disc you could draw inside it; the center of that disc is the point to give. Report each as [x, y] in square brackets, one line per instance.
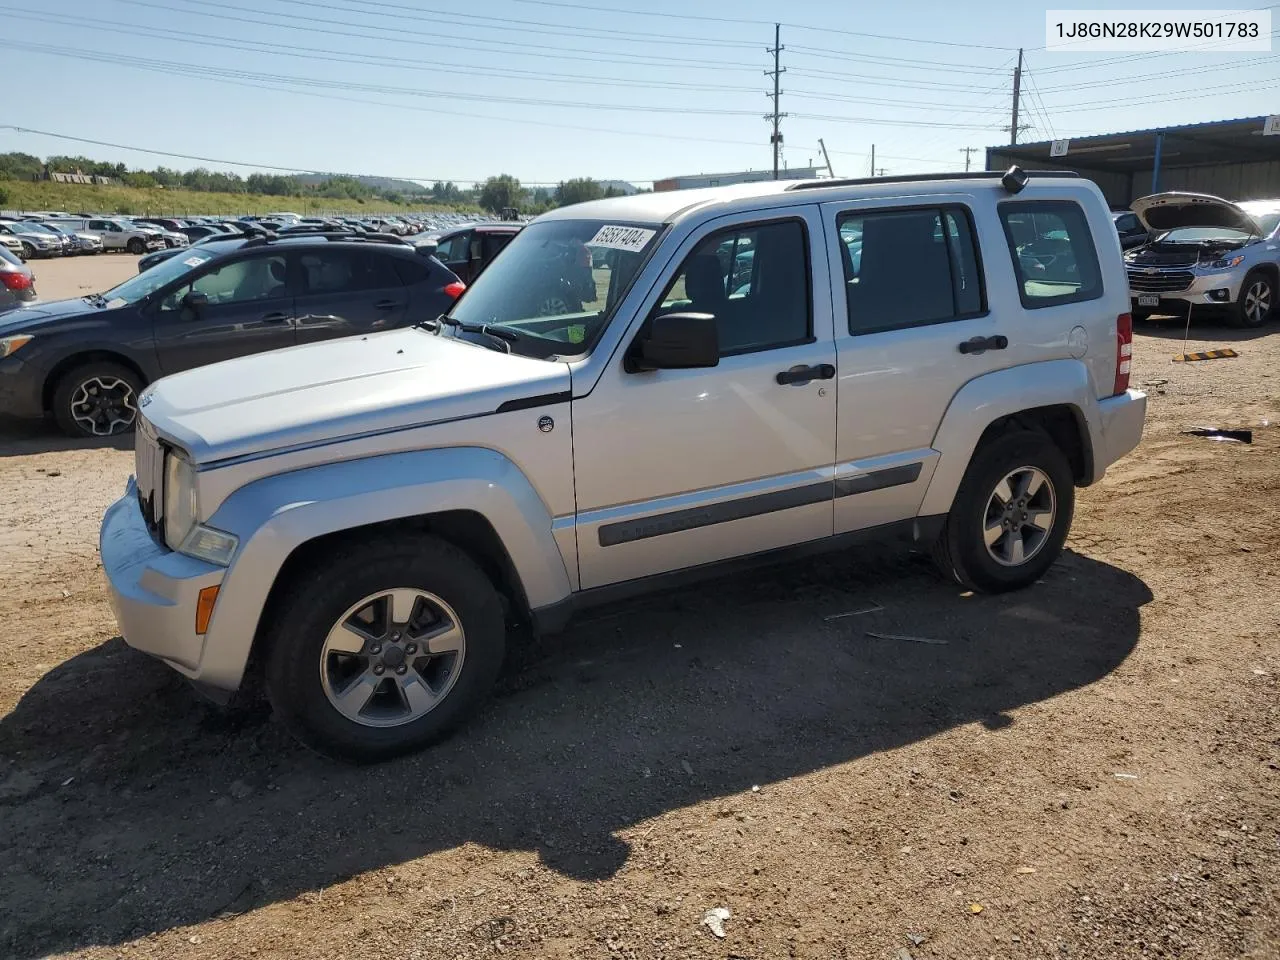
[273, 167]
[540, 50]
[827, 53]
[329, 56]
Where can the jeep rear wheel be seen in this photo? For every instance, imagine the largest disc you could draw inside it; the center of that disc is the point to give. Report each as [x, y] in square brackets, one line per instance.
[384, 649]
[1010, 516]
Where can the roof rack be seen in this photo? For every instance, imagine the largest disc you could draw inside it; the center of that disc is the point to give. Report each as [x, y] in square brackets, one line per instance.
[924, 177]
[265, 237]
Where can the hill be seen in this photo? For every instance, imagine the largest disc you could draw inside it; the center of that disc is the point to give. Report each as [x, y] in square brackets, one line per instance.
[19, 195]
[380, 184]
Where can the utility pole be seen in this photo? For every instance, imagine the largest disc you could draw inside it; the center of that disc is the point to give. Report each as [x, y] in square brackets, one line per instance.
[1017, 95]
[967, 151]
[873, 159]
[830, 172]
[776, 73]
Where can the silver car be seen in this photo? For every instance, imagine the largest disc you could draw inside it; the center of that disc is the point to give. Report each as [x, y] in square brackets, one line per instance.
[34, 240]
[115, 233]
[1209, 255]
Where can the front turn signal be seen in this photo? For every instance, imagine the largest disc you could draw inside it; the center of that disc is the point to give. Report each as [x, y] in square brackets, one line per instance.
[204, 608]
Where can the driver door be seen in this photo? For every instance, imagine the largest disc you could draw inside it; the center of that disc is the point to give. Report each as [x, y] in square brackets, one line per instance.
[250, 309]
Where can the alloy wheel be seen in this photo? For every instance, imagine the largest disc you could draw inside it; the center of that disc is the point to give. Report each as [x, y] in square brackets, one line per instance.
[1019, 516]
[392, 657]
[1257, 301]
[103, 406]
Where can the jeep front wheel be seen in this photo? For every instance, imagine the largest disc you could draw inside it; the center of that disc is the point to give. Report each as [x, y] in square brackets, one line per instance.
[137, 247]
[1010, 516]
[384, 649]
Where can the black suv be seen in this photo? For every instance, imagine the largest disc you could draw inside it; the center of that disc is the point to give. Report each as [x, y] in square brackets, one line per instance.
[84, 361]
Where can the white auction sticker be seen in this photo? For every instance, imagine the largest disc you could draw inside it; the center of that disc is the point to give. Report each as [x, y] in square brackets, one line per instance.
[631, 239]
[1120, 31]
[193, 261]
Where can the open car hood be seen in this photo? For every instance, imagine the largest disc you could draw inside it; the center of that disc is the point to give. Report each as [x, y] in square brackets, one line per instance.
[1169, 211]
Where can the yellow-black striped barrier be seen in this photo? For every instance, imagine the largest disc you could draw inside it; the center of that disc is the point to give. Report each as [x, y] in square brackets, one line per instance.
[1224, 354]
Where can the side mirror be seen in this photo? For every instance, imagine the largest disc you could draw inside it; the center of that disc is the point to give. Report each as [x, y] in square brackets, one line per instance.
[194, 302]
[676, 341]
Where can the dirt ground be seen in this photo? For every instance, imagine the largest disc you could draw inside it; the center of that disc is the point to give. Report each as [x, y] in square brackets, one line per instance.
[1084, 769]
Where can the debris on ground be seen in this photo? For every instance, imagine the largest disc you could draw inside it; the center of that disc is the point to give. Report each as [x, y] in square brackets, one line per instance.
[902, 636]
[684, 765]
[874, 608]
[714, 920]
[916, 938]
[1126, 776]
[1221, 433]
[975, 908]
[904, 954]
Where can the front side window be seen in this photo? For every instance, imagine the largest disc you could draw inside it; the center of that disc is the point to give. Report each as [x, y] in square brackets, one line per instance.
[909, 268]
[454, 249]
[754, 280]
[241, 281]
[545, 293]
[1053, 254]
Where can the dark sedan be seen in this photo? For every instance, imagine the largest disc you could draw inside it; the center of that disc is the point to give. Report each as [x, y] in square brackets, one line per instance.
[85, 361]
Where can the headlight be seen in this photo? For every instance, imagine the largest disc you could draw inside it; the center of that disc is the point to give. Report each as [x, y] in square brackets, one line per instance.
[1228, 262]
[182, 510]
[180, 507]
[11, 345]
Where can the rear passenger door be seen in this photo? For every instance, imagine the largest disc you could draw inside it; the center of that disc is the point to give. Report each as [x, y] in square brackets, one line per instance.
[910, 288]
[345, 291]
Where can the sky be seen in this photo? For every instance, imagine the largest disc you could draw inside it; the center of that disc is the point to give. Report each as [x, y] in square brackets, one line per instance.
[547, 90]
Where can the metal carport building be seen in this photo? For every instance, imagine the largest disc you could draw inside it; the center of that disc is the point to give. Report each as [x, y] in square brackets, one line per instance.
[1235, 159]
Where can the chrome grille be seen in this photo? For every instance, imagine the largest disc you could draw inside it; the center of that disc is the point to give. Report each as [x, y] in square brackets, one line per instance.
[149, 473]
[1141, 280]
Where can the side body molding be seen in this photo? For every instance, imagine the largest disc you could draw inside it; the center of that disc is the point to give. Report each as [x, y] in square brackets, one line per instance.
[984, 400]
[275, 515]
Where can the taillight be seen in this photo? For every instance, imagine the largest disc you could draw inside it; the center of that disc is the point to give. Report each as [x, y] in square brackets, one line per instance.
[454, 290]
[1124, 352]
[15, 281]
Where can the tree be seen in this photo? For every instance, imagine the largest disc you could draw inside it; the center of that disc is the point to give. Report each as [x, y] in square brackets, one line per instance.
[499, 192]
[4, 196]
[138, 178]
[578, 190]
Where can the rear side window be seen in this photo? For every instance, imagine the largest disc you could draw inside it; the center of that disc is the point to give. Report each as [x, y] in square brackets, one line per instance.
[346, 271]
[412, 271]
[910, 268]
[1053, 254]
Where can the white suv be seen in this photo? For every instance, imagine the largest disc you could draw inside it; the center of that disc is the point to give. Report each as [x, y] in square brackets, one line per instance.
[756, 371]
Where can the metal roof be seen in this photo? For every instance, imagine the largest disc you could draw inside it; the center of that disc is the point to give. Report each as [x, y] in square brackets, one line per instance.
[1133, 151]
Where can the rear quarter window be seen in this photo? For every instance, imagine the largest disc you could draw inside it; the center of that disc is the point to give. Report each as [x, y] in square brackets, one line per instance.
[1054, 258]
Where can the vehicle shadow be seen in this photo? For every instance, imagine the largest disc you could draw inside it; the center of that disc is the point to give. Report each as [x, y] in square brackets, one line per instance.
[22, 438]
[131, 808]
[1175, 328]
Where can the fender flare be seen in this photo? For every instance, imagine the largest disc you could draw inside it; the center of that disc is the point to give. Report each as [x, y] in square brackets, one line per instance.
[274, 516]
[986, 399]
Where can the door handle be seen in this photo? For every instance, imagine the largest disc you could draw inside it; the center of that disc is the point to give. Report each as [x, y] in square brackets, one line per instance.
[977, 345]
[803, 374]
[276, 317]
[387, 304]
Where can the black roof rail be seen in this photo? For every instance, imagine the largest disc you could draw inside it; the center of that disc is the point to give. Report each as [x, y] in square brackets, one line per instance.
[925, 177]
[266, 236]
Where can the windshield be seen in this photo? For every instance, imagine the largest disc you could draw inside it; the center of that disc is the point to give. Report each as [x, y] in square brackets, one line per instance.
[151, 280]
[1200, 234]
[557, 282]
[30, 227]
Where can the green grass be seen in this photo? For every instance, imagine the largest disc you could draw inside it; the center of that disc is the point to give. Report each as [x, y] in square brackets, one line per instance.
[133, 201]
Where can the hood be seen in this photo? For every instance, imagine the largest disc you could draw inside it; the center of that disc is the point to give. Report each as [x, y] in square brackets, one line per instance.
[28, 319]
[1169, 211]
[339, 389]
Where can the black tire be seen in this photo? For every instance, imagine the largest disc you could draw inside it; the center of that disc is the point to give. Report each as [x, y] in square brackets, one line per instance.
[312, 604]
[1257, 301]
[961, 552]
[137, 247]
[67, 394]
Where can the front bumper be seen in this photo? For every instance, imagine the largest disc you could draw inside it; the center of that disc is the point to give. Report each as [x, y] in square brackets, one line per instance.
[20, 387]
[1197, 292]
[1123, 417]
[153, 589]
